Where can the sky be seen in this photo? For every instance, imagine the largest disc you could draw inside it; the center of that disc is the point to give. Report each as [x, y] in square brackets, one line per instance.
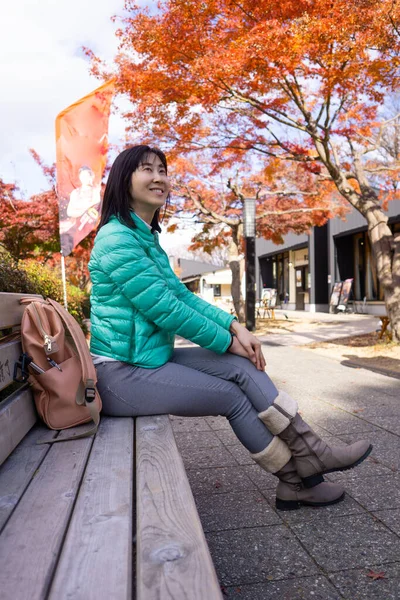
[42, 71]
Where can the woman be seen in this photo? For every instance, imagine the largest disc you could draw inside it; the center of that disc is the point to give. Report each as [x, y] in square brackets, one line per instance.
[139, 304]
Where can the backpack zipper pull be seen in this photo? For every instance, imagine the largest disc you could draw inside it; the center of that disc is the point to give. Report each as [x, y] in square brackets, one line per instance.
[48, 343]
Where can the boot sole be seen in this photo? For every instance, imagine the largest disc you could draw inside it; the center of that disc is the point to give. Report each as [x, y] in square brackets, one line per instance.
[313, 480]
[296, 504]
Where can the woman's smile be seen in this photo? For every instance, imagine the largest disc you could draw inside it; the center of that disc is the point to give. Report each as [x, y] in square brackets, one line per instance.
[158, 191]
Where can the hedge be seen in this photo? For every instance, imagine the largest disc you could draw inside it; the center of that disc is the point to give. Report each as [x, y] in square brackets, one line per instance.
[30, 277]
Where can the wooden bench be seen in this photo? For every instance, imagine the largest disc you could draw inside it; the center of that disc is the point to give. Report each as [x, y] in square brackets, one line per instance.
[68, 511]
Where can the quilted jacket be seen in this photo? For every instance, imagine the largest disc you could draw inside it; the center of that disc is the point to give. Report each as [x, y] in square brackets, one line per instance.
[138, 304]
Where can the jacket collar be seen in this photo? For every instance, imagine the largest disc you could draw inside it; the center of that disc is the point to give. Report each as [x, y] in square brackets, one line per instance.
[142, 227]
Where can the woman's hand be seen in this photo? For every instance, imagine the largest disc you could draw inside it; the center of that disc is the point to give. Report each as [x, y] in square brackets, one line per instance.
[248, 345]
[237, 348]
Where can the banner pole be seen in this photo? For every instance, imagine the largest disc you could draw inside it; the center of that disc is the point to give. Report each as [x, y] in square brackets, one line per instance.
[64, 280]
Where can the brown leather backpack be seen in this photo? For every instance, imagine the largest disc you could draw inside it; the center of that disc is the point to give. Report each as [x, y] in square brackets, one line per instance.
[65, 392]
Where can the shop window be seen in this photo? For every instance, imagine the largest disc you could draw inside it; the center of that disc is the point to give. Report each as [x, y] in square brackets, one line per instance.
[359, 266]
[280, 275]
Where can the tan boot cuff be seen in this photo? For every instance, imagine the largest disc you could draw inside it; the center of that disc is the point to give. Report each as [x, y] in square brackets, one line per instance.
[273, 418]
[274, 457]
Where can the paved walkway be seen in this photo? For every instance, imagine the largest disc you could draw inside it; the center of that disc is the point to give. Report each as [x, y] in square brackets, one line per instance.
[318, 327]
[320, 554]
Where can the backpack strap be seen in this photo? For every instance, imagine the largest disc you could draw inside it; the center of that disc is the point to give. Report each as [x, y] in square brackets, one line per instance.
[86, 392]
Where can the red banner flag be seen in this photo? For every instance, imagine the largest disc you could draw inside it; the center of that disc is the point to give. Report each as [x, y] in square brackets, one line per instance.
[82, 144]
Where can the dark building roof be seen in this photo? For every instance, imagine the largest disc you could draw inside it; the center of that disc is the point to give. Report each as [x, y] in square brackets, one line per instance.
[191, 268]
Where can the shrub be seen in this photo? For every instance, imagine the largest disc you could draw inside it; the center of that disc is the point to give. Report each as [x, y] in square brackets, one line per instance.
[30, 277]
[13, 279]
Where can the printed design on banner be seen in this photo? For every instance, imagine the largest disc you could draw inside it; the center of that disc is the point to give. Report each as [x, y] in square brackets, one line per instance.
[82, 144]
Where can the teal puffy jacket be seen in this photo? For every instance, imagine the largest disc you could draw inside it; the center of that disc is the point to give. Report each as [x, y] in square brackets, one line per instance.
[138, 303]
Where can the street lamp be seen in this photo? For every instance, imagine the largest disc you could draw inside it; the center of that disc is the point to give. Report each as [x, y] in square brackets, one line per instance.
[249, 230]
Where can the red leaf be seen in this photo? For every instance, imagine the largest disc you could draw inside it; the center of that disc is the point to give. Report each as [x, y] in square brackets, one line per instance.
[375, 575]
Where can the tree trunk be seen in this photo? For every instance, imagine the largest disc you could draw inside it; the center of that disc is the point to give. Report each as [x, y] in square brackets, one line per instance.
[386, 250]
[234, 264]
[385, 246]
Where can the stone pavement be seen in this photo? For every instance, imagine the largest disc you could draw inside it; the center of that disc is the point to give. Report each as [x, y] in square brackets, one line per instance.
[312, 553]
[318, 327]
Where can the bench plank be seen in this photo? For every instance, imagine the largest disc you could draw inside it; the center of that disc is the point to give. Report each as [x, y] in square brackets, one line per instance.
[173, 560]
[31, 540]
[18, 470]
[17, 417]
[96, 560]
[11, 310]
[9, 354]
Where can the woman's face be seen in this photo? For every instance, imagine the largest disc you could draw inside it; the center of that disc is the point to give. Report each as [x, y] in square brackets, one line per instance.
[149, 184]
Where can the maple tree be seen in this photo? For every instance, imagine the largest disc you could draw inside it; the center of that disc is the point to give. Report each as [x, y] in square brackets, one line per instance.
[217, 200]
[29, 229]
[26, 226]
[301, 81]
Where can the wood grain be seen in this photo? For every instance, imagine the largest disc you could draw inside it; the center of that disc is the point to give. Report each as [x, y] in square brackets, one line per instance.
[96, 560]
[17, 417]
[11, 310]
[18, 470]
[9, 354]
[31, 540]
[173, 560]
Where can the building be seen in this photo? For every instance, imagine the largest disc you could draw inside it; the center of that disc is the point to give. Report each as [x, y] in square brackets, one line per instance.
[211, 282]
[304, 268]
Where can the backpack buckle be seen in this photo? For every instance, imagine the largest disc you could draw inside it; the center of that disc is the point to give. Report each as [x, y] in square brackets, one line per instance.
[90, 394]
[21, 365]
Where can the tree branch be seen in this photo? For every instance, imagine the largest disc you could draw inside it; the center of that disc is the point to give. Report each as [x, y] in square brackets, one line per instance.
[210, 215]
[381, 131]
[290, 211]
[289, 193]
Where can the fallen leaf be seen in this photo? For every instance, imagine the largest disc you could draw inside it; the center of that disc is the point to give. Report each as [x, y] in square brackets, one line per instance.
[217, 484]
[374, 575]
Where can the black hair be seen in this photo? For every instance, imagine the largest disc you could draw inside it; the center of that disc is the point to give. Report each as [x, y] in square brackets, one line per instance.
[117, 196]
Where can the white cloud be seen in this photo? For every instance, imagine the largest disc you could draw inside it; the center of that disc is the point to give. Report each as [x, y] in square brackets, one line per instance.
[43, 71]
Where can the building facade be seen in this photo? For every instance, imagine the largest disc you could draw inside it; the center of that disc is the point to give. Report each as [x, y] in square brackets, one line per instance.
[211, 282]
[304, 268]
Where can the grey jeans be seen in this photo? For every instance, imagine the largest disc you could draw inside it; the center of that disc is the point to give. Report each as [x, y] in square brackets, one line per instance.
[195, 383]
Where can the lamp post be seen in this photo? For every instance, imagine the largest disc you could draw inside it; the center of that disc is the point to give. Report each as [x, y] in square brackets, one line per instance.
[249, 230]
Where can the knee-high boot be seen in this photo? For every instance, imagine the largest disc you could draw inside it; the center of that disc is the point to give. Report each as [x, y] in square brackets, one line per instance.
[276, 458]
[312, 456]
